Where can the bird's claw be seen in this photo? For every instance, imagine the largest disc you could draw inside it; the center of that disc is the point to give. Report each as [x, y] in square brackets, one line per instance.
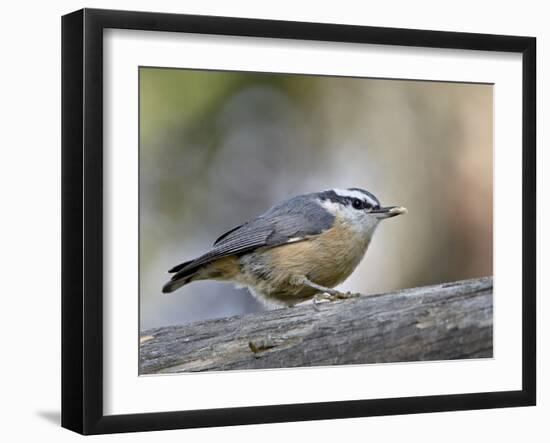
[333, 296]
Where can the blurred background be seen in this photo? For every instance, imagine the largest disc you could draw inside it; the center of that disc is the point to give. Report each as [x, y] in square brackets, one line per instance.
[218, 148]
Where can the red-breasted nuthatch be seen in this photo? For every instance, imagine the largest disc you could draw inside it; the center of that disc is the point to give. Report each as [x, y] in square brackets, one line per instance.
[301, 247]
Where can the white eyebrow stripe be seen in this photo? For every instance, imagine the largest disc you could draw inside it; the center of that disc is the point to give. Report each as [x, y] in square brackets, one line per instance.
[355, 194]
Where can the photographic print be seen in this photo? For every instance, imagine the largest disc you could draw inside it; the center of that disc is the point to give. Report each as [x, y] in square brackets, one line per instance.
[292, 220]
[281, 221]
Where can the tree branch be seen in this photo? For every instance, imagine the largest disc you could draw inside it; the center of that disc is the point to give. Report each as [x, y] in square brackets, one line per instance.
[441, 322]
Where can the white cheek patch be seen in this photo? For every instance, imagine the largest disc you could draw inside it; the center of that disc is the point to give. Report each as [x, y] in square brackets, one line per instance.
[343, 212]
[334, 208]
[360, 221]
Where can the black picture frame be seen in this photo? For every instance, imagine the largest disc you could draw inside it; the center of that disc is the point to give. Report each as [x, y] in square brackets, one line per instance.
[82, 220]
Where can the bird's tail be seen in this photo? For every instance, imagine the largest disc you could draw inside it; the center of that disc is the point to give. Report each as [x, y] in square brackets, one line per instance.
[184, 273]
[202, 268]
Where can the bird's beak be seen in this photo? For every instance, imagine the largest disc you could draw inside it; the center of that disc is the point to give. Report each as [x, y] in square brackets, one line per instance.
[389, 211]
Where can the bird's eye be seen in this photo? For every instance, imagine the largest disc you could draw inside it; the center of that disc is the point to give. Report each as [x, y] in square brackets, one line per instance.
[357, 204]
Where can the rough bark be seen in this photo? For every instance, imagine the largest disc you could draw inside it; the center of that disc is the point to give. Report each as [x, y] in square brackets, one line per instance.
[440, 322]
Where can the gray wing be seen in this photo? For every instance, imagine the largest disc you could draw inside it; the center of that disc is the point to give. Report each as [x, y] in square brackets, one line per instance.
[292, 220]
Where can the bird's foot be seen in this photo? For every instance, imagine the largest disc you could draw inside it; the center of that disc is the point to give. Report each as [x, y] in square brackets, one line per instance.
[333, 295]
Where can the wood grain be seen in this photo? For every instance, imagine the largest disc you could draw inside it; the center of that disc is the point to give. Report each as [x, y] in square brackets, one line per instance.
[440, 322]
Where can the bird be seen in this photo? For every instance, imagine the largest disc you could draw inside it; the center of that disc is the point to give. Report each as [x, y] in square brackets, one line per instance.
[298, 250]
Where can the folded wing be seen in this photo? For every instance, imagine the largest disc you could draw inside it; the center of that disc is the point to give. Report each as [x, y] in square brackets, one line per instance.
[291, 221]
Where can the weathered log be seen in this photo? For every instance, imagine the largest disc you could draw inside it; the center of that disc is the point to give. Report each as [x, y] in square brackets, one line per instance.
[440, 322]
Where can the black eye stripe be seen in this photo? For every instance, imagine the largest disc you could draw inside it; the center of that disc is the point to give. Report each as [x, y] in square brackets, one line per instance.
[367, 203]
[360, 204]
[367, 193]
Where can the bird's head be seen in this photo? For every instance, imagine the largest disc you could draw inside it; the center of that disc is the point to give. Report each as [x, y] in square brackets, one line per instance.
[357, 208]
